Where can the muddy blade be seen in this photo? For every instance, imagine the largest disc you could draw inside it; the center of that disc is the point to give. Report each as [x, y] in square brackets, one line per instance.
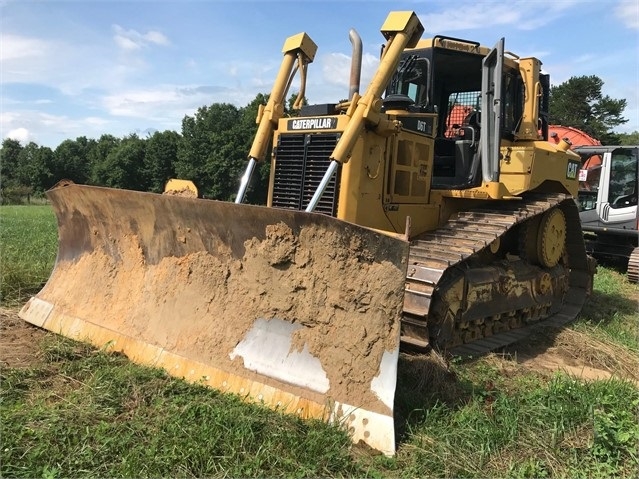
[298, 311]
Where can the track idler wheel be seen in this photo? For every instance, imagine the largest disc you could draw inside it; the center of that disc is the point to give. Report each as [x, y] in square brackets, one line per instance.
[551, 241]
[543, 239]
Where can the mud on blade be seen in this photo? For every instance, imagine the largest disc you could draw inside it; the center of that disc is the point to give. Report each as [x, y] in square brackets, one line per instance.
[296, 310]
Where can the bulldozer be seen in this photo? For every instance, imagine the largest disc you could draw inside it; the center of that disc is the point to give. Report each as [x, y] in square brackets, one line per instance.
[390, 225]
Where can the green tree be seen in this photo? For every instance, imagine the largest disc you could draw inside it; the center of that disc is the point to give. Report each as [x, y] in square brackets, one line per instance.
[98, 158]
[213, 151]
[9, 158]
[580, 103]
[124, 165]
[72, 160]
[629, 138]
[33, 168]
[160, 158]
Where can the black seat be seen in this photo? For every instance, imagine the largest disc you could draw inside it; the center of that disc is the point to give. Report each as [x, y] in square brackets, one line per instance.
[466, 147]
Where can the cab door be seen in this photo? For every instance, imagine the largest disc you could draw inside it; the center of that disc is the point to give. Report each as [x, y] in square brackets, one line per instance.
[617, 196]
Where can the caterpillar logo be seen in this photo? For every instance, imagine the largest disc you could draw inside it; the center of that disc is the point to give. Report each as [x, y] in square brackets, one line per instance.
[572, 170]
[323, 123]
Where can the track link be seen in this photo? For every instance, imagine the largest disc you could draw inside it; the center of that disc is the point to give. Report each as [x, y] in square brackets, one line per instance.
[472, 233]
[633, 266]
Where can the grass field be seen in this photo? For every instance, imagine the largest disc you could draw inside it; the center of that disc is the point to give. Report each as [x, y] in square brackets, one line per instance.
[77, 411]
[28, 245]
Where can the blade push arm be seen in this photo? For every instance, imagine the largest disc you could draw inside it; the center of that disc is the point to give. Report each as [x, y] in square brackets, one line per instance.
[298, 49]
[401, 30]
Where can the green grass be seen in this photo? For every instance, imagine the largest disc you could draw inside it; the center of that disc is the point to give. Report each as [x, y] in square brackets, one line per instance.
[526, 426]
[82, 412]
[28, 246]
[91, 414]
[613, 309]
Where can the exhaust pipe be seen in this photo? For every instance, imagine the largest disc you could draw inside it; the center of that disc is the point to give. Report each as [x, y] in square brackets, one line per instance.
[356, 63]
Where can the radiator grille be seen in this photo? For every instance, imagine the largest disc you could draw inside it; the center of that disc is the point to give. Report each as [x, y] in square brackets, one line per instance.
[301, 161]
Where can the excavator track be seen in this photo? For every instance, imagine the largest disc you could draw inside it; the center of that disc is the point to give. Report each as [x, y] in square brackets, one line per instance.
[470, 245]
[633, 266]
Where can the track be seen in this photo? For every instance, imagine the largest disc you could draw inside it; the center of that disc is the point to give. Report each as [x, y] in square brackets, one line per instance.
[469, 244]
[633, 266]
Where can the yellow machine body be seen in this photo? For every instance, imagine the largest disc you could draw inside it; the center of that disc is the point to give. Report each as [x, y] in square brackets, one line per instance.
[389, 222]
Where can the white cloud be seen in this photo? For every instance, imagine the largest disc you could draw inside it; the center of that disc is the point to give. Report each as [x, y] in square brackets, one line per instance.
[136, 103]
[126, 43]
[469, 17]
[334, 65]
[58, 64]
[628, 12]
[336, 71]
[26, 59]
[64, 65]
[134, 40]
[96, 121]
[20, 134]
[370, 64]
[46, 129]
[520, 14]
[157, 38]
[169, 103]
[18, 47]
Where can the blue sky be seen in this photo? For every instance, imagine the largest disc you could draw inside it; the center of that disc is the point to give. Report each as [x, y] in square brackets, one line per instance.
[85, 68]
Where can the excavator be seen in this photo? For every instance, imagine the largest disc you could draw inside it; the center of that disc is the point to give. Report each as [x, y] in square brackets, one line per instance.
[608, 203]
[607, 198]
[389, 224]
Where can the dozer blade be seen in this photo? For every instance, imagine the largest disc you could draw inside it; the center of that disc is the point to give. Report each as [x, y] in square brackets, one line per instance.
[295, 310]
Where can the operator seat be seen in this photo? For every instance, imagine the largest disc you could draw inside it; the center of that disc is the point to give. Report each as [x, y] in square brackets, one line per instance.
[467, 149]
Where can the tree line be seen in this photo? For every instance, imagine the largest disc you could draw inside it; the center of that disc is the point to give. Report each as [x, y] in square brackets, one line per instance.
[212, 148]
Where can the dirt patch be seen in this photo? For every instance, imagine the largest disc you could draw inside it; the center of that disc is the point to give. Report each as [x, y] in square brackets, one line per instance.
[183, 192]
[576, 354]
[19, 341]
[557, 360]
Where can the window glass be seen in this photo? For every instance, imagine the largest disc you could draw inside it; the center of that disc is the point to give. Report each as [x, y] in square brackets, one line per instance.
[623, 179]
[589, 177]
[460, 106]
[513, 103]
[411, 79]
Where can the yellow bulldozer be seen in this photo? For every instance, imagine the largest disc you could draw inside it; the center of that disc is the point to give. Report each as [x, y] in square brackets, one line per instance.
[390, 223]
